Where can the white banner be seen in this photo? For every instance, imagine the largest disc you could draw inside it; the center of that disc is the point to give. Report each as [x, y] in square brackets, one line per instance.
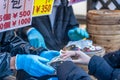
[15, 14]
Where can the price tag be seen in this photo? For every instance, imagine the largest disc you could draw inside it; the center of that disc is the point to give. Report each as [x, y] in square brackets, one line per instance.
[42, 7]
[15, 14]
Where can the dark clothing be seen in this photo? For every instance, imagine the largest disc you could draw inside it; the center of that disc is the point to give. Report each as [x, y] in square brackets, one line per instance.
[25, 76]
[57, 37]
[98, 67]
[5, 65]
[113, 58]
[11, 45]
[69, 71]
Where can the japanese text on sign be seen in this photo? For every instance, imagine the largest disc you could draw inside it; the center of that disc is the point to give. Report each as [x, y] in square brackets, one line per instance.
[42, 7]
[74, 1]
[15, 14]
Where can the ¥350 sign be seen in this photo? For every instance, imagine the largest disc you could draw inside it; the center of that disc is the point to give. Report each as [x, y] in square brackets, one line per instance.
[42, 7]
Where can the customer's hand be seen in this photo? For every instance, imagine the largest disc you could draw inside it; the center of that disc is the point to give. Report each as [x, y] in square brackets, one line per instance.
[77, 34]
[33, 65]
[35, 38]
[82, 58]
[49, 54]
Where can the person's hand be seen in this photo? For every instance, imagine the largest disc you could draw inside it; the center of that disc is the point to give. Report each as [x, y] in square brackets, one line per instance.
[49, 54]
[35, 38]
[12, 62]
[33, 65]
[81, 57]
[77, 34]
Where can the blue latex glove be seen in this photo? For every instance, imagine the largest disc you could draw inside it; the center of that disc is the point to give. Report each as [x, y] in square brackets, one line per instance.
[77, 34]
[50, 54]
[35, 38]
[33, 65]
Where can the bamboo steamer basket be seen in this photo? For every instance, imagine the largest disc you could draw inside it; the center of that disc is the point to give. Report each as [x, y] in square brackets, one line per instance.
[104, 28]
[103, 16]
[105, 39]
[109, 42]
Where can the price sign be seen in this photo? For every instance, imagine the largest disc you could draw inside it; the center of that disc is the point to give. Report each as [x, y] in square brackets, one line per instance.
[42, 7]
[15, 14]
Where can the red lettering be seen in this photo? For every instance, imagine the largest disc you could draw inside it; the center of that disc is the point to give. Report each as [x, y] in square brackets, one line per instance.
[19, 22]
[28, 13]
[7, 25]
[24, 21]
[15, 15]
[14, 23]
[24, 13]
[20, 14]
[7, 17]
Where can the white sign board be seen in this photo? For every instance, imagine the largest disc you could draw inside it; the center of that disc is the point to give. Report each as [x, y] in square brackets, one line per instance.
[15, 14]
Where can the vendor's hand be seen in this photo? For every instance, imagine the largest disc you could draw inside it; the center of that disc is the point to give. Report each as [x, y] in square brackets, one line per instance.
[12, 62]
[50, 54]
[33, 65]
[82, 58]
[35, 38]
[77, 34]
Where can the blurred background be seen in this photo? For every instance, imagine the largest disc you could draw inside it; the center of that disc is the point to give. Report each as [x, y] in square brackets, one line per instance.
[80, 10]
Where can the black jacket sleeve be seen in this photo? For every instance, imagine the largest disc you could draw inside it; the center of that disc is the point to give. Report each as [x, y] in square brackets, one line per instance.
[70, 71]
[15, 45]
[113, 59]
[5, 64]
[102, 70]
